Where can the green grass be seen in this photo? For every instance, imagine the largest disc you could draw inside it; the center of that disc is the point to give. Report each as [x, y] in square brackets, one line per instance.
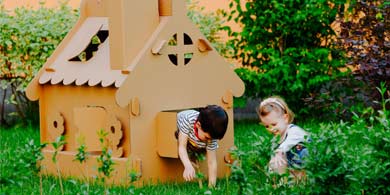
[17, 175]
[346, 158]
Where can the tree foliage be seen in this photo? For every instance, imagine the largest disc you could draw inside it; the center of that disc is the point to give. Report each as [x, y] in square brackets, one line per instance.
[365, 36]
[287, 45]
[27, 39]
[209, 23]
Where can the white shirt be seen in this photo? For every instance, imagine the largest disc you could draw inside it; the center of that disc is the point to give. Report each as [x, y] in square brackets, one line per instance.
[292, 137]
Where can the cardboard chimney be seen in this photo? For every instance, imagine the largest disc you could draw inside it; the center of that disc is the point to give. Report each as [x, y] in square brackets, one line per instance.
[127, 67]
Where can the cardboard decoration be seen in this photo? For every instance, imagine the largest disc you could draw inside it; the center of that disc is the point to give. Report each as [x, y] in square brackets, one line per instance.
[129, 78]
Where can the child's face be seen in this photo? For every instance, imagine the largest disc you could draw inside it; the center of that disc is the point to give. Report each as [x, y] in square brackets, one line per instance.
[203, 136]
[275, 122]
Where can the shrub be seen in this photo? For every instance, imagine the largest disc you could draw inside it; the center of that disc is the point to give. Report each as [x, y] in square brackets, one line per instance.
[210, 24]
[351, 158]
[367, 42]
[24, 47]
[287, 46]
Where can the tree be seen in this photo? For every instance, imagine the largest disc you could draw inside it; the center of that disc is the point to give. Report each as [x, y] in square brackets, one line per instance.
[288, 47]
[365, 36]
[209, 23]
[24, 47]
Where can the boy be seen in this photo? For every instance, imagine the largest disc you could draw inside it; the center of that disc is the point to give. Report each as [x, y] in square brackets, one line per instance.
[198, 132]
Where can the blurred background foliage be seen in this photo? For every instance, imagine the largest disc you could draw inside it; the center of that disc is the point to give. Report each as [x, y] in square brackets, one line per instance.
[27, 39]
[325, 57]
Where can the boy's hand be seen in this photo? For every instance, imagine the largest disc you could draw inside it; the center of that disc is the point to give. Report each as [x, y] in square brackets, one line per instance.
[189, 173]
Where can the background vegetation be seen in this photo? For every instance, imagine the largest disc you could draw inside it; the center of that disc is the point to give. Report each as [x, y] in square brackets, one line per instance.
[327, 59]
[365, 37]
[25, 46]
[291, 48]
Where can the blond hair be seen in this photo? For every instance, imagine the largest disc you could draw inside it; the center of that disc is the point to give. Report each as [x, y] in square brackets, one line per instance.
[277, 104]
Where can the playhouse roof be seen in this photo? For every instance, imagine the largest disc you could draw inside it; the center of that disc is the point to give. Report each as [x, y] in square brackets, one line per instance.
[131, 53]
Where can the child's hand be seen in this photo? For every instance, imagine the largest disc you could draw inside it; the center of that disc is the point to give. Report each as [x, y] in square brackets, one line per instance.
[189, 173]
[278, 163]
[279, 159]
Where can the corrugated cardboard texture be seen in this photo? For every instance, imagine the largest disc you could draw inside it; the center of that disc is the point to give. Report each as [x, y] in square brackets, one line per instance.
[130, 84]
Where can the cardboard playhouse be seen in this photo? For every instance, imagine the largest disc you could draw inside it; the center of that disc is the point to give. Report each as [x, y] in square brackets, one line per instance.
[127, 67]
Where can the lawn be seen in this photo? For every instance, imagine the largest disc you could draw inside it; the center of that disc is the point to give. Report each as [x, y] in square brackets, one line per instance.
[17, 147]
[345, 158]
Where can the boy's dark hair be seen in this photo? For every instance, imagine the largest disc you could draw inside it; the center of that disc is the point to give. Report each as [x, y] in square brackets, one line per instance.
[213, 120]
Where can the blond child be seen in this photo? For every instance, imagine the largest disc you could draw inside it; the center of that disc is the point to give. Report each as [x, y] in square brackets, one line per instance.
[277, 118]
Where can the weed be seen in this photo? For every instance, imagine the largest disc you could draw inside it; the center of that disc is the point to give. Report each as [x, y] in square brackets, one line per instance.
[82, 156]
[58, 144]
[105, 162]
[199, 157]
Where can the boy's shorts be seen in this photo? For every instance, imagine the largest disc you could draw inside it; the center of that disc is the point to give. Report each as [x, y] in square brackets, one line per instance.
[193, 151]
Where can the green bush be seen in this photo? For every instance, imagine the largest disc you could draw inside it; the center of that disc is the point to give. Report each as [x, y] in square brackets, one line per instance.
[27, 39]
[351, 158]
[289, 47]
[210, 24]
[364, 35]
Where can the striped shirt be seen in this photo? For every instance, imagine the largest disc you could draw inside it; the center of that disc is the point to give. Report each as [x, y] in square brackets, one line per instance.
[185, 123]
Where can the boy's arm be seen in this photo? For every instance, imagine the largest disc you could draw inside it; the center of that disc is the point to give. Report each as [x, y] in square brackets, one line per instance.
[189, 171]
[212, 167]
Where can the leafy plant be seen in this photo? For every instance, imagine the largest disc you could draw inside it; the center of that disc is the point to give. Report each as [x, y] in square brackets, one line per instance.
[20, 159]
[199, 175]
[24, 47]
[58, 144]
[338, 99]
[384, 113]
[105, 162]
[134, 176]
[209, 23]
[366, 38]
[286, 47]
[82, 156]
[34, 159]
[25, 162]
[250, 171]
[352, 158]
